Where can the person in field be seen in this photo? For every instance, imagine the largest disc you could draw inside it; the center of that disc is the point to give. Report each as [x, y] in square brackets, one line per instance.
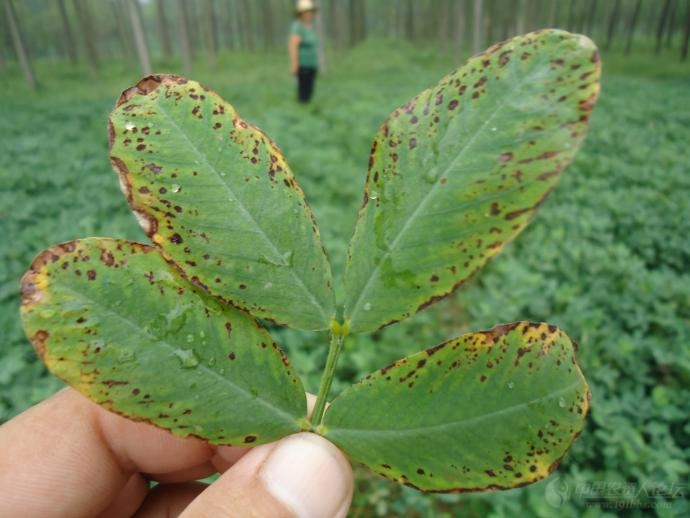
[302, 45]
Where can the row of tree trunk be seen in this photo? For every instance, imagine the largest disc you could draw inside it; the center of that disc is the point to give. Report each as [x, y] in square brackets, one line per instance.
[93, 30]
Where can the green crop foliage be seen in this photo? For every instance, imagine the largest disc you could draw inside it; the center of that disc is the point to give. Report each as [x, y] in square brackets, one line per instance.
[174, 333]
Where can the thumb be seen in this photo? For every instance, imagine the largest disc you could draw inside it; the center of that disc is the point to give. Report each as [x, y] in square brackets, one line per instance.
[303, 476]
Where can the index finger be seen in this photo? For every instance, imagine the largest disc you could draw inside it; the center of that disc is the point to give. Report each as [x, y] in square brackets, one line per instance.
[68, 457]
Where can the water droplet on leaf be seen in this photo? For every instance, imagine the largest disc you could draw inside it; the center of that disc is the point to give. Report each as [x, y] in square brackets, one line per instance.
[126, 356]
[511, 384]
[130, 126]
[175, 188]
[561, 402]
[367, 306]
[188, 358]
[373, 195]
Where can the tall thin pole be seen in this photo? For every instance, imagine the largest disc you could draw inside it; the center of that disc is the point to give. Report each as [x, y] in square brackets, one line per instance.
[19, 47]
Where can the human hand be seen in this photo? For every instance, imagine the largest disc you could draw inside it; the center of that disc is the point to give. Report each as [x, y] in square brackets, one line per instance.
[68, 457]
[294, 69]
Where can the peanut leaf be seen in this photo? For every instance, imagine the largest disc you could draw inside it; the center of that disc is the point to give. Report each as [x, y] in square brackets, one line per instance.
[460, 170]
[215, 194]
[118, 324]
[489, 410]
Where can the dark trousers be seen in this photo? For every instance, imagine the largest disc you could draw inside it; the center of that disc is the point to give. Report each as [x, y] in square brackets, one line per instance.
[306, 77]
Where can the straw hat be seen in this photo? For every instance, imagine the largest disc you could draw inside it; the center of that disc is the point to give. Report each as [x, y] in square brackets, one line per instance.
[304, 5]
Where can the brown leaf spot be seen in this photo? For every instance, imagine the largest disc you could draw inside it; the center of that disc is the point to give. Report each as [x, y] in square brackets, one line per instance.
[176, 238]
[38, 340]
[249, 439]
[505, 157]
[91, 274]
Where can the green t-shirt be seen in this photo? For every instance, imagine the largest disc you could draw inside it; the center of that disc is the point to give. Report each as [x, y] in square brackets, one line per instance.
[308, 55]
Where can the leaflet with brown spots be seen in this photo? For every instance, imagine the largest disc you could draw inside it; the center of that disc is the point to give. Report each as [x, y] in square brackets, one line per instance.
[460, 170]
[495, 409]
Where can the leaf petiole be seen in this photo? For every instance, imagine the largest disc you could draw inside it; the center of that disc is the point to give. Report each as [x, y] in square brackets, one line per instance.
[337, 339]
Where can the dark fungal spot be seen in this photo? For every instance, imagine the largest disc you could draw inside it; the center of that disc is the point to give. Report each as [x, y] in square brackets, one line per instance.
[135, 392]
[249, 439]
[420, 471]
[232, 356]
[505, 157]
[91, 274]
[453, 104]
[495, 209]
[504, 57]
[176, 238]
[162, 190]
[434, 278]
[490, 472]
[217, 125]
[413, 143]
[242, 286]
[141, 147]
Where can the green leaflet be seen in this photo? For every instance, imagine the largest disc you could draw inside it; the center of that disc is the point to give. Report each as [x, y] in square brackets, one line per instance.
[489, 410]
[460, 170]
[215, 194]
[114, 321]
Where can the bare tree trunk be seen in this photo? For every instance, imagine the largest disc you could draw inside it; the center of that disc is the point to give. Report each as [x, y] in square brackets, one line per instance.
[571, 15]
[210, 32]
[520, 19]
[139, 37]
[120, 18]
[591, 17]
[409, 21]
[443, 18]
[166, 46]
[19, 46]
[477, 29]
[661, 25]
[631, 27]
[67, 33]
[460, 23]
[553, 14]
[686, 34]
[246, 23]
[86, 28]
[321, 38]
[613, 20]
[185, 43]
[671, 25]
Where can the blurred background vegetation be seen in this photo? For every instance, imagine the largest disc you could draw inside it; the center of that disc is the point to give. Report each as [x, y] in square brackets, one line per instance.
[606, 258]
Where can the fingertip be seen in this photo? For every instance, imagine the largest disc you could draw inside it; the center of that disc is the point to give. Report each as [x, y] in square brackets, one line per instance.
[310, 476]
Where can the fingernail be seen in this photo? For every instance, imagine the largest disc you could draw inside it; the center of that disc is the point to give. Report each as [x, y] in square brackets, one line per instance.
[309, 476]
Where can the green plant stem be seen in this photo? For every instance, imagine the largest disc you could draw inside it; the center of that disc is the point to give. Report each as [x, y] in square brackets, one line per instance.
[336, 346]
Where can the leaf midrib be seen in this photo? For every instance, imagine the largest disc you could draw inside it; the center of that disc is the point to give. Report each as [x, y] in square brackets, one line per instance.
[172, 348]
[451, 424]
[300, 281]
[424, 200]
